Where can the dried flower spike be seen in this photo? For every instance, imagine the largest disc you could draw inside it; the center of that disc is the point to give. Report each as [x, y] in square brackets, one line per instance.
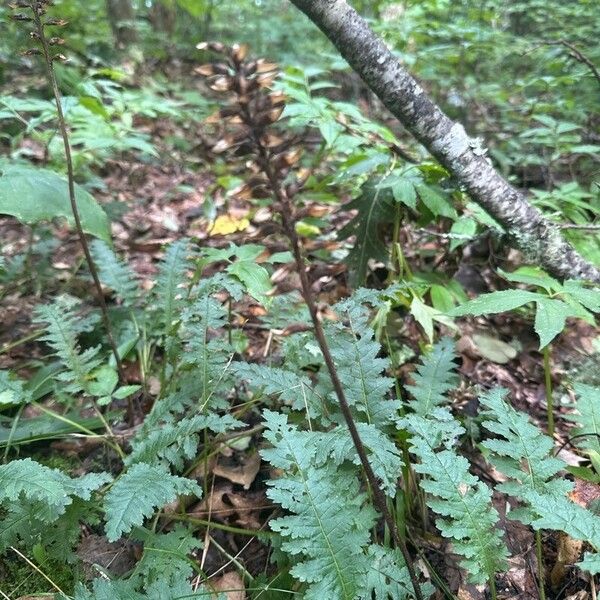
[21, 17]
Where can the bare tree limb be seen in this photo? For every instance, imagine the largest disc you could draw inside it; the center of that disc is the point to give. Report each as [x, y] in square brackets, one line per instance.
[576, 54]
[462, 156]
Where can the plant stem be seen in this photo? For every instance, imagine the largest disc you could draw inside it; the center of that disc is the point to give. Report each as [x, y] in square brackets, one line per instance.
[540, 564]
[286, 211]
[34, 335]
[493, 593]
[549, 395]
[37, 17]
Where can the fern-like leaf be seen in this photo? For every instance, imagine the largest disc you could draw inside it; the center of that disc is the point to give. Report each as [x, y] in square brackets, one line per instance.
[330, 542]
[33, 481]
[175, 442]
[208, 355]
[115, 273]
[62, 328]
[525, 456]
[587, 417]
[359, 367]
[388, 576]
[291, 388]
[12, 389]
[337, 445]
[170, 283]
[522, 452]
[462, 501]
[165, 558]
[45, 506]
[434, 377]
[137, 493]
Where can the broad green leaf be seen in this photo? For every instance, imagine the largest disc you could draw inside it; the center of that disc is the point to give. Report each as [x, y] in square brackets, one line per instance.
[255, 277]
[496, 302]
[589, 297]
[35, 195]
[464, 229]
[105, 381]
[441, 298]
[550, 318]
[124, 391]
[532, 276]
[404, 192]
[435, 202]
[422, 314]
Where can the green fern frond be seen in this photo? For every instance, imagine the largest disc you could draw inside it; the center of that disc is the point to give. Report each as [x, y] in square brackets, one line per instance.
[12, 389]
[561, 514]
[208, 355]
[115, 273]
[435, 376]
[30, 480]
[175, 442]
[169, 291]
[338, 446]
[587, 417]
[31, 523]
[525, 456]
[137, 493]
[45, 506]
[292, 389]
[330, 542]
[467, 516]
[359, 366]
[521, 451]
[388, 576]
[590, 563]
[165, 558]
[62, 328]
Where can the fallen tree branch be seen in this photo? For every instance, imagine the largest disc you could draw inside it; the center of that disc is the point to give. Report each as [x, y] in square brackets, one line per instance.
[539, 239]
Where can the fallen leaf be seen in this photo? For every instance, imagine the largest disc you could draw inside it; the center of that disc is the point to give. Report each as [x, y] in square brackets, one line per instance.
[231, 584]
[493, 349]
[568, 554]
[243, 474]
[226, 224]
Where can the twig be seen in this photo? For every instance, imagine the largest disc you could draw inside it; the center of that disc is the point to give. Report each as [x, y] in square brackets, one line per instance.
[38, 570]
[38, 10]
[286, 211]
[583, 227]
[576, 54]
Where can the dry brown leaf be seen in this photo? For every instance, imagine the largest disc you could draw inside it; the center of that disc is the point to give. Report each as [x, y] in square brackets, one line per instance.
[568, 554]
[231, 584]
[242, 474]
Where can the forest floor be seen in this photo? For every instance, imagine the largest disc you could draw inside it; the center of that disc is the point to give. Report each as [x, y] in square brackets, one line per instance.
[154, 203]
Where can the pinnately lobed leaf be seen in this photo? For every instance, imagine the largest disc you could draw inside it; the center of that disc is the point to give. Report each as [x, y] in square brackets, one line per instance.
[141, 490]
[34, 481]
[435, 376]
[115, 273]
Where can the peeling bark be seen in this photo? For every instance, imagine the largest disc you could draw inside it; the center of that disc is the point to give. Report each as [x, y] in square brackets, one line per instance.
[448, 142]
